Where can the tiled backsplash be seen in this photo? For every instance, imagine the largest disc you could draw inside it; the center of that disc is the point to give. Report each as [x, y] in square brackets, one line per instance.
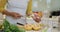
[50, 21]
[52, 5]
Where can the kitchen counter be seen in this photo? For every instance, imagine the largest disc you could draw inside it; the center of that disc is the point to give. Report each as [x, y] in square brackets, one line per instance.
[53, 30]
[49, 30]
[50, 21]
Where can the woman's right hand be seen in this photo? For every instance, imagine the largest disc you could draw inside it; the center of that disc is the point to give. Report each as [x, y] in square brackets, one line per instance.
[15, 15]
[12, 14]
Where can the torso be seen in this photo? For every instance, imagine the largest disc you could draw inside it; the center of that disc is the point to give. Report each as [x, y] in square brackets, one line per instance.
[18, 6]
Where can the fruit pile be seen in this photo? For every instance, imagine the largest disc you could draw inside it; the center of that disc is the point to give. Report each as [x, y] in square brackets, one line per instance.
[35, 27]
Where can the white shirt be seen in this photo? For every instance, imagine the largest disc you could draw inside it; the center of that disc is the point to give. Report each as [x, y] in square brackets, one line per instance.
[18, 6]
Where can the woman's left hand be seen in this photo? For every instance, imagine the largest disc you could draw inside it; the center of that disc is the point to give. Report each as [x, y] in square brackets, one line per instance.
[37, 19]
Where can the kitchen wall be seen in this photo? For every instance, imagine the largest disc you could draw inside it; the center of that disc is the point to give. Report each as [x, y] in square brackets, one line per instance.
[43, 5]
[55, 4]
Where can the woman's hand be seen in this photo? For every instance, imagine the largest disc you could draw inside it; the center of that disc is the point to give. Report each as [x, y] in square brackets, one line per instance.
[12, 14]
[37, 19]
[15, 15]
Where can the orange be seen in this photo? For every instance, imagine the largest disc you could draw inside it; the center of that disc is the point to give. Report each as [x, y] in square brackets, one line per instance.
[40, 14]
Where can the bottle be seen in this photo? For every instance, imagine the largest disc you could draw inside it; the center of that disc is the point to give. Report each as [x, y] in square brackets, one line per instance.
[29, 13]
[29, 8]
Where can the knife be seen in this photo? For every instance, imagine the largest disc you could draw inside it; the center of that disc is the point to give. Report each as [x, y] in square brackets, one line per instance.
[20, 24]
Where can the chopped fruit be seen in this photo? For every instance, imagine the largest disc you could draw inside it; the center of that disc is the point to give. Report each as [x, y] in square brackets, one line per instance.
[28, 27]
[19, 26]
[41, 24]
[36, 27]
[40, 14]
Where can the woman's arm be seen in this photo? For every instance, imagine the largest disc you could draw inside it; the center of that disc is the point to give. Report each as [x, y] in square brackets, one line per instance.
[4, 11]
[12, 14]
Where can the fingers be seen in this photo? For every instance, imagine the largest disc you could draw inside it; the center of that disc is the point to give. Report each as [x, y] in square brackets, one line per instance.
[37, 19]
[16, 15]
[19, 15]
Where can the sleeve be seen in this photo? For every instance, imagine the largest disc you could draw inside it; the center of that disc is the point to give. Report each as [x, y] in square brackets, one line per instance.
[2, 5]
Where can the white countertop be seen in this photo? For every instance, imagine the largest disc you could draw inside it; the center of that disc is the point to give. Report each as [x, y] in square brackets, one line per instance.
[49, 30]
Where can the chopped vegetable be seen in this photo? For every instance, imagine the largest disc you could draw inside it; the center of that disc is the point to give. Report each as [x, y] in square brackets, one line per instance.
[11, 28]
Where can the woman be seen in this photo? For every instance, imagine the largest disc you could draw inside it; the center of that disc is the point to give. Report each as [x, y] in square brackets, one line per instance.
[14, 9]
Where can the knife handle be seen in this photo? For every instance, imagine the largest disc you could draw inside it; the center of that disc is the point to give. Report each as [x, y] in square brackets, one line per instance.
[20, 24]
